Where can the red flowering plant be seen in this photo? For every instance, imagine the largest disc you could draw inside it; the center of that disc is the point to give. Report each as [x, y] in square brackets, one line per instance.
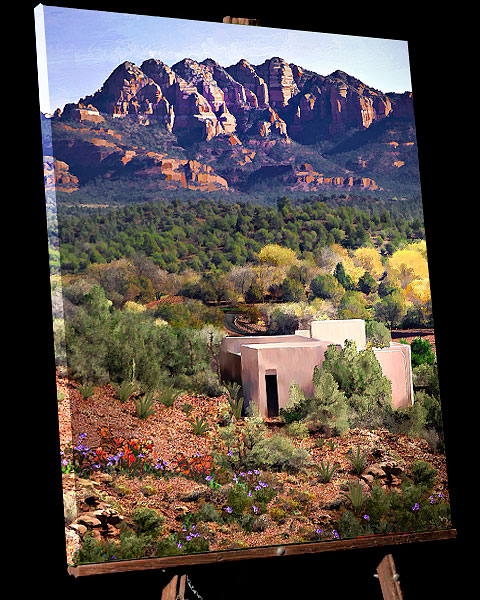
[113, 454]
[199, 467]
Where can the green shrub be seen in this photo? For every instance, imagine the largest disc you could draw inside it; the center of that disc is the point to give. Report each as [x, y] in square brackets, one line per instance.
[148, 522]
[208, 513]
[414, 509]
[423, 474]
[278, 453]
[296, 406]
[132, 545]
[422, 352]
[377, 334]
[168, 547]
[90, 551]
[349, 526]
[327, 411]
[298, 430]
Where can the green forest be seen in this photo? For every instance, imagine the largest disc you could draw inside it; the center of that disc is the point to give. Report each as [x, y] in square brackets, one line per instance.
[215, 236]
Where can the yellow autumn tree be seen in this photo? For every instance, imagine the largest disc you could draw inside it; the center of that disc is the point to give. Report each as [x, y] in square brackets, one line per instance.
[276, 255]
[351, 269]
[418, 292]
[369, 259]
[406, 265]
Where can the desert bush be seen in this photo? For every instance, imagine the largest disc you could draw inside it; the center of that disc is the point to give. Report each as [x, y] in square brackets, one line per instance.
[208, 513]
[91, 551]
[350, 526]
[206, 382]
[132, 545]
[298, 430]
[296, 406]
[377, 334]
[327, 411]
[423, 474]
[148, 523]
[279, 453]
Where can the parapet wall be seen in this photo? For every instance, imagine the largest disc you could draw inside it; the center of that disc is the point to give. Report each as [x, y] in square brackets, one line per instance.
[337, 331]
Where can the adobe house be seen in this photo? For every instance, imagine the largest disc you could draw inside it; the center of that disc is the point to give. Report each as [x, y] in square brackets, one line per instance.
[265, 366]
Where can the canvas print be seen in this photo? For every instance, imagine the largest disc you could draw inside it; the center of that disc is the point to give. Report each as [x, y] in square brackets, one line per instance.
[244, 340]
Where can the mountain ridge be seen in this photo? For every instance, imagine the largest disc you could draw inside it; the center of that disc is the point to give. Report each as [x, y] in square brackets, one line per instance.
[231, 123]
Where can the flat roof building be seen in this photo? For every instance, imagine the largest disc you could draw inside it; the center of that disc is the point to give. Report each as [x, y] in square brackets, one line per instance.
[266, 366]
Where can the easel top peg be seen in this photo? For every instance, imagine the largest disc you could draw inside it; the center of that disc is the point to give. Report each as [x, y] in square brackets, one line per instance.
[241, 21]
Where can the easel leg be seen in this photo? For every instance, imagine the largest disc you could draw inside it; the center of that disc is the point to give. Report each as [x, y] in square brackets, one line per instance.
[175, 589]
[389, 579]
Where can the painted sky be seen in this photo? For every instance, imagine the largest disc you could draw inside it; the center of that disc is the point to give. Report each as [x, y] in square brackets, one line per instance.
[82, 47]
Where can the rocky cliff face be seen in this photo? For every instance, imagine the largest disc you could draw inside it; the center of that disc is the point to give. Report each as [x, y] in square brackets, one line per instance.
[272, 99]
[235, 126]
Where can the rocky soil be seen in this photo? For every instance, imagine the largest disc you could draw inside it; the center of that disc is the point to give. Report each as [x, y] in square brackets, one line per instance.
[100, 504]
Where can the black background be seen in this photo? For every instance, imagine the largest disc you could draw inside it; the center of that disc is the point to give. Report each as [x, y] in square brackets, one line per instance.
[444, 121]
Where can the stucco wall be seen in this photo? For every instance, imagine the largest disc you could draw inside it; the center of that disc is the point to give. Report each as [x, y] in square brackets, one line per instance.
[396, 364]
[337, 331]
[293, 361]
[229, 355]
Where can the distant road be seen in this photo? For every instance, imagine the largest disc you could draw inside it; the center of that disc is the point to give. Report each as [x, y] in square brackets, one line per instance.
[230, 324]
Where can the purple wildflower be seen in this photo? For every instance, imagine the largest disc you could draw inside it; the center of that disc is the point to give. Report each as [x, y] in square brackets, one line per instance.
[416, 506]
[335, 534]
[255, 509]
[366, 517]
[229, 509]
[318, 531]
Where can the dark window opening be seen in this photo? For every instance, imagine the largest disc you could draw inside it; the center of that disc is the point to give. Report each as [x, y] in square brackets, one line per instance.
[272, 395]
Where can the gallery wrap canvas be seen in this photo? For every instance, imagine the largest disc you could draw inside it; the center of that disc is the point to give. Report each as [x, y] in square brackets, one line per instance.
[242, 315]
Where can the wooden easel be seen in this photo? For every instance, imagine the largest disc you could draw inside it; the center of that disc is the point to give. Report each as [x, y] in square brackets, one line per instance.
[175, 589]
[386, 574]
[389, 579]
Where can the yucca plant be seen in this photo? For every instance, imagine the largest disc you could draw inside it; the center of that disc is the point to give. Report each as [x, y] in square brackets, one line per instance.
[358, 459]
[167, 395]
[355, 496]
[326, 470]
[144, 405]
[235, 401]
[87, 390]
[125, 390]
[200, 426]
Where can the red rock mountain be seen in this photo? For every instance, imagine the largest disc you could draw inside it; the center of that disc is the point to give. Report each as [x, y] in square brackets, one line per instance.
[237, 113]
[271, 98]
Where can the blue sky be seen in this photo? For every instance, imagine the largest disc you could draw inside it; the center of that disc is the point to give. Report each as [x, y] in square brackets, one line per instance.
[82, 47]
